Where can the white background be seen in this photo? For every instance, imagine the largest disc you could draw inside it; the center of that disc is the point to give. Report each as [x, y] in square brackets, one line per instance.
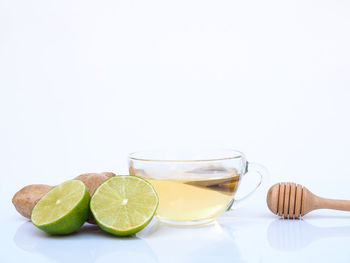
[83, 83]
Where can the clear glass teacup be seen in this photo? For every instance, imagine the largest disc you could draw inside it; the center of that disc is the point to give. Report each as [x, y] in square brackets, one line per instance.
[193, 186]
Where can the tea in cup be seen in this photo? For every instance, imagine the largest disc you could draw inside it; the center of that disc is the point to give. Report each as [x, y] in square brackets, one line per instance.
[194, 187]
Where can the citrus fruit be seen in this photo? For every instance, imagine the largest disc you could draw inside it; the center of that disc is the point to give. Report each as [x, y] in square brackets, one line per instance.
[63, 209]
[124, 204]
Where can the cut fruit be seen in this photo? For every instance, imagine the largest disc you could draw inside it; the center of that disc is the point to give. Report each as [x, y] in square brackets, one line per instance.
[63, 209]
[124, 204]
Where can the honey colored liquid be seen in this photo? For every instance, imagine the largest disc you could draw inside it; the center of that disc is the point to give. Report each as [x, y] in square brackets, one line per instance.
[205, 195]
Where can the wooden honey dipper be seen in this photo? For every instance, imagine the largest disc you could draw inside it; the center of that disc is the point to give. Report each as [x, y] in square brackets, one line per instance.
[291, 200]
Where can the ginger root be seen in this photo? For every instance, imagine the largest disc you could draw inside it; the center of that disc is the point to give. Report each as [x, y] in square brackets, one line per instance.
[27, 197]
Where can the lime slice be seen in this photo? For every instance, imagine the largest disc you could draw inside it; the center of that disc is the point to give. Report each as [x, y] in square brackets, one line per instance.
[63, 209]
[124, 204]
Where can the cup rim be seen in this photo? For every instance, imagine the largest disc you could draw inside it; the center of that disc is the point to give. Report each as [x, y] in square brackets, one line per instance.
[228, 154]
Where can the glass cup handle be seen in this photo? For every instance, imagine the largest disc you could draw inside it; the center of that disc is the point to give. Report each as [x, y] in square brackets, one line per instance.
[263, 174]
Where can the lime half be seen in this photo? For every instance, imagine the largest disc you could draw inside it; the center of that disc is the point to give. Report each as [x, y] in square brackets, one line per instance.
[124, 204]
[63, 209]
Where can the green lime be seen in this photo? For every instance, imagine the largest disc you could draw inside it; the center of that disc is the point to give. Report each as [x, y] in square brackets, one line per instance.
[63, 209]
[124, 204]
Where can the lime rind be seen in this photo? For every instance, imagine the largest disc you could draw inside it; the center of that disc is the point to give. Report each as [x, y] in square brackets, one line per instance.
[115, 218]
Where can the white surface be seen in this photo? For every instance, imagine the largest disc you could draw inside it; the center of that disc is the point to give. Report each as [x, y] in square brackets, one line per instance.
[83, 83]
[249, 234]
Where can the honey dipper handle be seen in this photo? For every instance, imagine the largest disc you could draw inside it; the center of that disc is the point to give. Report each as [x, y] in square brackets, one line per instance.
[324, 203]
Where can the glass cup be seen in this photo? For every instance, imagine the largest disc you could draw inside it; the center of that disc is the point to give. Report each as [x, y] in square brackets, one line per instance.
[194, 187]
